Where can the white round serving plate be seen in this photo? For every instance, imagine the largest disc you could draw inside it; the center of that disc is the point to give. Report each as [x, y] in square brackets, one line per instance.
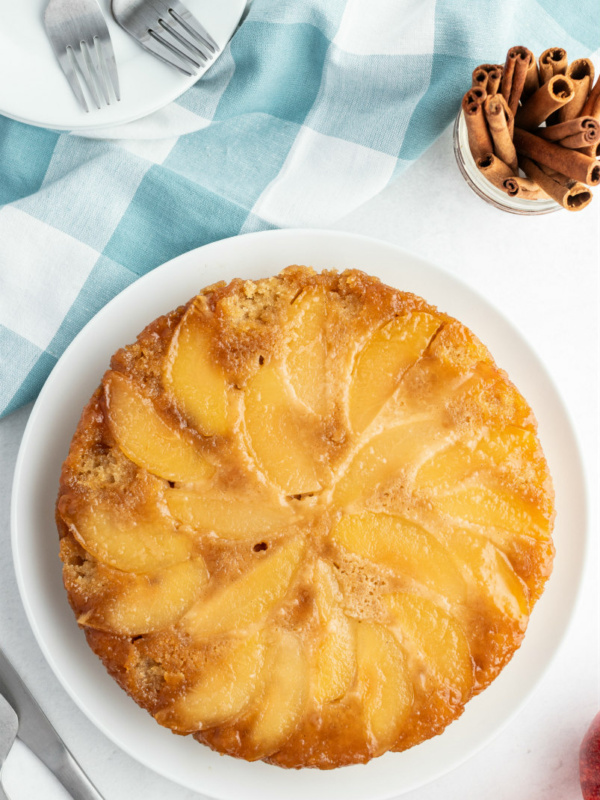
[35, 90]
[35, 541]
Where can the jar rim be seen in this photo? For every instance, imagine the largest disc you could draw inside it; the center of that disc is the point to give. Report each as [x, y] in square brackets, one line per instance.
[484, 188]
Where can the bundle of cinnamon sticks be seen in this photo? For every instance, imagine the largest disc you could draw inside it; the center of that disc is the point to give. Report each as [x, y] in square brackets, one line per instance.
[534, 126]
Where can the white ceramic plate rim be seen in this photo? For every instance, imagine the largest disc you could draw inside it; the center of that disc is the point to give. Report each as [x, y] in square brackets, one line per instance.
[38, 93]
[45, 444]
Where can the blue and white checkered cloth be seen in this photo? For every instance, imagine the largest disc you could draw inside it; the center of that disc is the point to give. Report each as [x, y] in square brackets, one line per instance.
[312, 109]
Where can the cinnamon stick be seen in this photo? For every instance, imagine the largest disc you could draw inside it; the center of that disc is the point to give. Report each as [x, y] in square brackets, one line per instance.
[514, 75]
[553, 61]
[591, 106]
[493, 81]
[487, 76]
[550, 96]
[570, 194]
[477, 94]
[524, 188]
[591, 150]
[575, 142]
[485, 67]
[510, 120]
[532, 78]
[480, 78]
[571, 163]
[581, 72]
[587, 125]
[494, 169]
[496, 114]
[480, 141]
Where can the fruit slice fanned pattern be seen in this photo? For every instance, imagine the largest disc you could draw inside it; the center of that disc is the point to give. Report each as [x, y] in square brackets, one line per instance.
[384, 685]
[145, 602]
[223, 690]
[334, 655]
[382, 362]
[148, 439]
[284, 695]
[306, 350]
[273, 415]
[350, 522]
[248, 600]
[207, 401]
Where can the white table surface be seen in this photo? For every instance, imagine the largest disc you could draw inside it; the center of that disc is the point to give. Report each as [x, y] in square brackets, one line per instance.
[542, 273]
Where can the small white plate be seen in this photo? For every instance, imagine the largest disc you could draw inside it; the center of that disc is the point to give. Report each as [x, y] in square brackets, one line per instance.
[35, 541]
[34, 89]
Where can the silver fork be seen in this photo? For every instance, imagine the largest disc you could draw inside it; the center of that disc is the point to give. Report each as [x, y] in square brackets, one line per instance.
[168, 30]
[9, 726]
[36, 731]
[81, 41]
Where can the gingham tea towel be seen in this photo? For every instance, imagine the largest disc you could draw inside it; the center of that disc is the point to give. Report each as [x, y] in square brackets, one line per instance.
[312, 109]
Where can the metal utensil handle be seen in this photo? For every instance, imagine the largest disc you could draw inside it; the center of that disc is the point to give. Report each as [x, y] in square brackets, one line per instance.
[75, 781]
[38, 733]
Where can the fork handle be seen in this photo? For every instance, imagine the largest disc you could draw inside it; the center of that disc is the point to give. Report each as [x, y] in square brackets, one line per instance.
[72, 777]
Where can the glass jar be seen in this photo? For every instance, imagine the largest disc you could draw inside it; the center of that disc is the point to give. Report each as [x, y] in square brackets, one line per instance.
[486, 190]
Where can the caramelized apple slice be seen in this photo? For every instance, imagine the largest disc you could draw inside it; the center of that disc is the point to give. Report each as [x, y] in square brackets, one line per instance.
[489, 573]
[447, 467]
[493, 507]
[307, 353]
[379, 368]
[530, 558]
[406, 549]
[142, 542]
[333, 665]
[435, 638]
[285, 694]
[508, 449]
[223, 691]
[149, 602]
[383, 683]
[226, 516]
[197, 382]
[280, 434]
[457, 350]
[397, 451]
[146, 439]
[449, 380]
[517, 445]
[249, 599]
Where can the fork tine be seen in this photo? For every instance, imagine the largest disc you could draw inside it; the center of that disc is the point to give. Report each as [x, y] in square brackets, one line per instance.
[81, 42]
[68, 67]
[187, 20]
[178, 51]
[105, 70]
[192, 46]
[86, 68]
[109, 61]
[98, 73]
[168, 53]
